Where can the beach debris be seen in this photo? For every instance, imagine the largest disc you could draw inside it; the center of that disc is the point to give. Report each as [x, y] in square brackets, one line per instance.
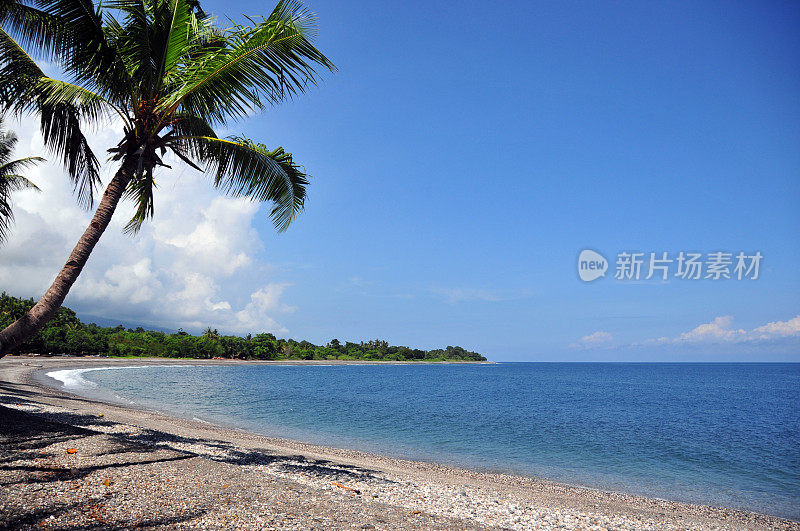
[72, 451]
[108, 482]
[415, 512]
[99, 512]
[101, 415]
[351, 489]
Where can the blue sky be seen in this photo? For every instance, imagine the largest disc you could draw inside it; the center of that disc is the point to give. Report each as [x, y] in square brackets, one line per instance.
[466, 152]
[480, 147]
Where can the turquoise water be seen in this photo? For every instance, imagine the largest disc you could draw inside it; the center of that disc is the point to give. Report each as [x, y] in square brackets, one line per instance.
[724, 434]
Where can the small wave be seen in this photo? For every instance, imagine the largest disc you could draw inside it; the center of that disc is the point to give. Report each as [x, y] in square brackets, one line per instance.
[73, 378]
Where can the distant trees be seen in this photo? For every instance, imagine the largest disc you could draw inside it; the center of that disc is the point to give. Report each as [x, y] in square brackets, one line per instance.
[66, 334]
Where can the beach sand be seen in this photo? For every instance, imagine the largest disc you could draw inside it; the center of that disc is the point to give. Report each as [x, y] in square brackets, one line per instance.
[133, 469]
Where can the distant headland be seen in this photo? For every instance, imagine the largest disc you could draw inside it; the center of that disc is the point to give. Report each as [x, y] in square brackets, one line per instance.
[67, 334]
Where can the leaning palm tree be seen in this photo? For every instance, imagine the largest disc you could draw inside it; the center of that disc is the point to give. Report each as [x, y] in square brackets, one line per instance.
[171, 75]
[10, 179]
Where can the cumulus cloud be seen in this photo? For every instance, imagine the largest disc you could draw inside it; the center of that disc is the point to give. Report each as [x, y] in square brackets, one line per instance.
[195, 265]
[778, 329]
[721, 330]
[596, 339]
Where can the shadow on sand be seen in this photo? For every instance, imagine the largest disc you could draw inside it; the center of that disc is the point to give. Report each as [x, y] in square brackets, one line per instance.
[26, 435]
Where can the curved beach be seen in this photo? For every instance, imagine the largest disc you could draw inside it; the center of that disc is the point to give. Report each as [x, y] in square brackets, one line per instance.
[135, 468]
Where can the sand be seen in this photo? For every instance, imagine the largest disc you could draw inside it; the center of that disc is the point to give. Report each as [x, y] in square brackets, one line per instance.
[135, 469]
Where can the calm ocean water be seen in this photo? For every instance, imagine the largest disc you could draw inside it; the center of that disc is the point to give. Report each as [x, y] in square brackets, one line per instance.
[726, 434]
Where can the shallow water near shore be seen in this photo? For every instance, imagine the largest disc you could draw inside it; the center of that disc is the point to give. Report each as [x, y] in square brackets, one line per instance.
[721, 434]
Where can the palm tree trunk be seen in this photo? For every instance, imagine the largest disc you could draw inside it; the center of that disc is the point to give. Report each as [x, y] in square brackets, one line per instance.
[30, 323]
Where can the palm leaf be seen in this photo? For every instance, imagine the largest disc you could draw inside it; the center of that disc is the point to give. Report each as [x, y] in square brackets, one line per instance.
[35, 28]
[133, 41]
[270, 60]
[178, 36]
[10, 181]
[140, 190]
[8, 171]
[18, 74]
[60, 106]
[244, 168]
[81, 46]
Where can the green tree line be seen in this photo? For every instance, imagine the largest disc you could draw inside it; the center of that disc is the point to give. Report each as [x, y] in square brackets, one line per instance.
[66, 334]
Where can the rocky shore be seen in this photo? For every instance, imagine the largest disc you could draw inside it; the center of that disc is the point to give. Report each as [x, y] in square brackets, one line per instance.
[68, 462]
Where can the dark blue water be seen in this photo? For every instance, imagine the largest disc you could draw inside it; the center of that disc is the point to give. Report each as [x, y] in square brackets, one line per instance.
[725, 434]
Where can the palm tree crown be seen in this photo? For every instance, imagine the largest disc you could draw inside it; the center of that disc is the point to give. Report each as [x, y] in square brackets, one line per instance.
[10, 179]
[171, 75]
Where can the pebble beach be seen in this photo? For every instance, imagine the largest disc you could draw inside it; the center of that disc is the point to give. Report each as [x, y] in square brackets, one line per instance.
[69, 462]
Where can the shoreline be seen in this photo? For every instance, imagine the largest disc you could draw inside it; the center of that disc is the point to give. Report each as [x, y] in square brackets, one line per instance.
[408, 493]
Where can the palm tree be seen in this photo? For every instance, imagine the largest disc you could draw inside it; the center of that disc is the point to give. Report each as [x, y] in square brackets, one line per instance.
[171, 75]
[211, 335]
[10, 179]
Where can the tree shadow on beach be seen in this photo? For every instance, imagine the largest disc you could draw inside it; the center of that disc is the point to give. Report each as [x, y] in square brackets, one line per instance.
[28, 393]
[27, 431]
[23, 433]
[28, 457]
[234, 455]
[33, 450]
[49, 473]
[164, 521]
[34, 518]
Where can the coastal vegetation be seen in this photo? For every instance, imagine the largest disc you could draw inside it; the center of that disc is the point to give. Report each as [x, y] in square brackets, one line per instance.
[169, 75]
[66, 334]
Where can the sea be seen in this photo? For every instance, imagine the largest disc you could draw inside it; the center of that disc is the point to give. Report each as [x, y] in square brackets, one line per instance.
[713, 433]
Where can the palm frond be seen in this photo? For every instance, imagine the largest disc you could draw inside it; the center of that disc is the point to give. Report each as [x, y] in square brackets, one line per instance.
[36, 29]
[10, 181]
[84, 49]
[186, 124]
[8, 140]
[140, 190]
[6, 217]
[244, 168]
[62, 134]
[91, 106]
[178, 35]
[61, 107]
[18, 74]
[268, 61]
[133, 40]
[8, 171]
[18, 182]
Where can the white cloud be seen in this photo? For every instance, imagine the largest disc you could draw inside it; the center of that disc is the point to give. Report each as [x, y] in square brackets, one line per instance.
[778, 329]
[596, 339]
[195, 265]
[717, 330]
[721, 330]
[263, 302]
